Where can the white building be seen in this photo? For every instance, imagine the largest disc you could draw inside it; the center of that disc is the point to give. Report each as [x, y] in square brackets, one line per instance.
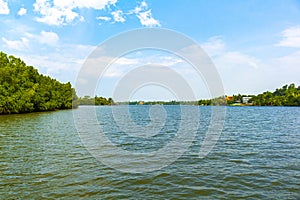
[245, 100]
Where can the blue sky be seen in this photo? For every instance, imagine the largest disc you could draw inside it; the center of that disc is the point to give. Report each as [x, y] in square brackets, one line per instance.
[255, 45]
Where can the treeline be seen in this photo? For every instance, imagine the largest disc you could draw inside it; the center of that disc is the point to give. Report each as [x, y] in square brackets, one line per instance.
[155, 102]
[238, 99]
[101, 101]
[23, 89]
[288, 95]
[208, 102]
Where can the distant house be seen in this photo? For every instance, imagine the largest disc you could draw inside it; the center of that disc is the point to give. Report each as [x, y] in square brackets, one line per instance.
[229, 98]
[245, 100]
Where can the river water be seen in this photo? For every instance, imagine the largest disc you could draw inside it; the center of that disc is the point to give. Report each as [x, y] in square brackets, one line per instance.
[257, 156]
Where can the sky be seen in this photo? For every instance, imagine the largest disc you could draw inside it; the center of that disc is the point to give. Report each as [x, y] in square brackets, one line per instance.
[254, 44]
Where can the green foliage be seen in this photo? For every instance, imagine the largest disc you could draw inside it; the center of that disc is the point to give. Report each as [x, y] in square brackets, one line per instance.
[204, 102]
[219, 101]
[235, 99]
[173, 102]
[23, 89]
[101, 101]
[288, 95]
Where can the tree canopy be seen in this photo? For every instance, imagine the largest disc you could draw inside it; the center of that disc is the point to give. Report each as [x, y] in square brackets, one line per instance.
[288, 95]
[99, 101]
[23, 89]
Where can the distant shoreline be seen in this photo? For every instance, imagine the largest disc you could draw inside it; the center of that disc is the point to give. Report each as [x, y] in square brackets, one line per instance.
[24, 90]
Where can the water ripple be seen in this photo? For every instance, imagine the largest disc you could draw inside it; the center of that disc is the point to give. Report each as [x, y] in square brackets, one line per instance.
[257, 157]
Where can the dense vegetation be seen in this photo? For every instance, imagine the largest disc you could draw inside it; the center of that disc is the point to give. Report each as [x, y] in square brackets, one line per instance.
[153, 102]
[288, 95]
[217, 101]
[23, 89]
[237, 99]
[101, 101]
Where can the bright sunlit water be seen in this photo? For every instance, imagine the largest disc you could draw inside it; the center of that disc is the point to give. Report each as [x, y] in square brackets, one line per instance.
[256, 157]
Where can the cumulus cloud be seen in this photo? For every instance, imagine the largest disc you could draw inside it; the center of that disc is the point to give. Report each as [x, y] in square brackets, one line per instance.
[48, 38]
[18, 45]
[118, 16]
[145, 15]
[142, 7]
[61, 12]
[118, 68]
[146, 19]
[98, 5]
[22, 12]
[53, 14]
[4, 10]
[290, 37]
[28, 40]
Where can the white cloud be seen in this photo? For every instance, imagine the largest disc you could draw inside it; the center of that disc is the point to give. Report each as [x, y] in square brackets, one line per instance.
[99, 5]
[246, 73]
[30, 41]
[291, 61]
[240, 72]
[18, 45]
[146, 19]
[22, 12]
[144, 4]
[103, 18]
[144, 15]
[81, 19]
[126, 61]
[142, 7]
[118, 16]
[123, 65]
[65, 60]
[214, 46]
[169, 61]
[237, 60]
[290, 37]
[49, 38]
[94, 4]
[62, 12]
[286, 69]
[53, 15]
[118, 68]
[4, 10]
